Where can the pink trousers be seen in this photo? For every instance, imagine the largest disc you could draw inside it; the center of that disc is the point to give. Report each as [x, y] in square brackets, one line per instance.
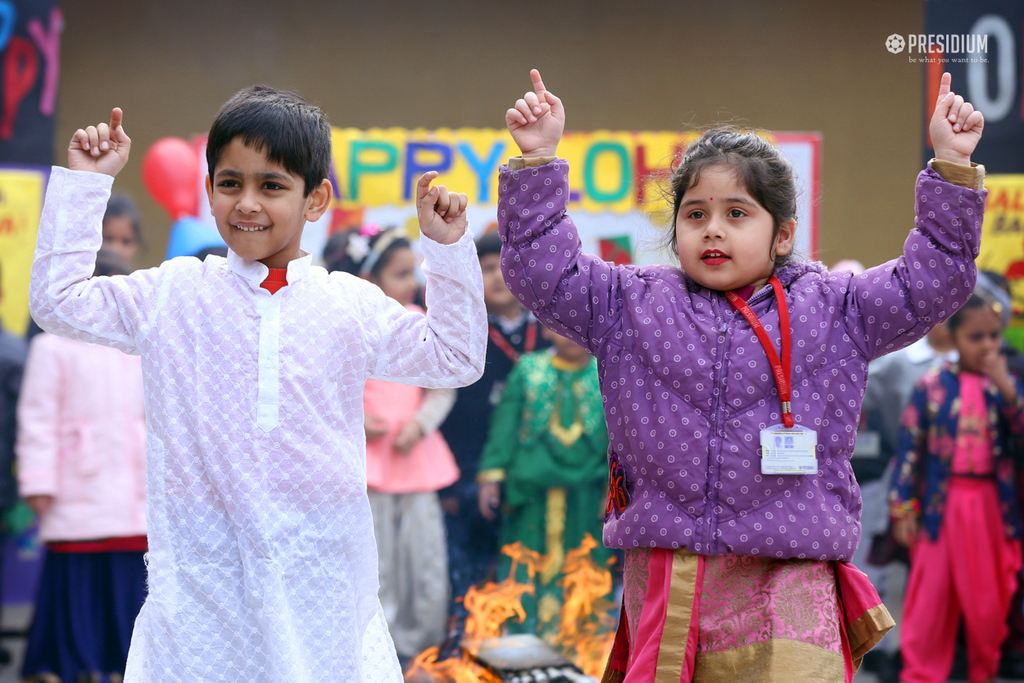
[969, 572]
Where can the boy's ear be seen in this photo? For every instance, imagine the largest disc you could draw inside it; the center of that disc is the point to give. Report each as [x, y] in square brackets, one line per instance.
[318, 201]
[209, 192]
[784, 240]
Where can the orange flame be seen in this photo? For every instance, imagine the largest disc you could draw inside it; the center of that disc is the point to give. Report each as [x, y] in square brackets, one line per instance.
[426, 669]
[586, 627]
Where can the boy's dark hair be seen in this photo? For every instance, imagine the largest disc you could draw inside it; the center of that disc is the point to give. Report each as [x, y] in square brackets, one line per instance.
[108, 263]
[282, 125]
[121, 205]
[488, 243]
[759, 167]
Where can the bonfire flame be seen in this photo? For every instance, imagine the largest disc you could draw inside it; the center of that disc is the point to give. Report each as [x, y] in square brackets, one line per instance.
[587, 630]
[453, 670]
[586, 625]
[490, 607]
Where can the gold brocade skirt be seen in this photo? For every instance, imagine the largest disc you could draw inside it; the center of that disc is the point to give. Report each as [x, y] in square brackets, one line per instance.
[732, 619]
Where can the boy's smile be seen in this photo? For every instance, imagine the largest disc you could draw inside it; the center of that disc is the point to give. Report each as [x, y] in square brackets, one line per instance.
[259, 206]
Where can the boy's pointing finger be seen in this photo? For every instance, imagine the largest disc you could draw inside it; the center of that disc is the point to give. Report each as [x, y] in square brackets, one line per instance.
[423, 186]
[116, 116]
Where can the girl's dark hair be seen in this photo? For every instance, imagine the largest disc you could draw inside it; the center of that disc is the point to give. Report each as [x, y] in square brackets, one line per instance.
[121, 205]
[108, 263]
[286, 128]
[980, 299]
[759, 167]
[360, 254]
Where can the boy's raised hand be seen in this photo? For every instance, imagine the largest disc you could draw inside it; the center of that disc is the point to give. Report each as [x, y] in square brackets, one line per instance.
[102, 148]
[442, 214]
[536, 121]
[956, 125]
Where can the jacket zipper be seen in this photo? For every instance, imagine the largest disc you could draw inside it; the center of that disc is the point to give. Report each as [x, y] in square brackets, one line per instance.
[710, 538]
[710, 541]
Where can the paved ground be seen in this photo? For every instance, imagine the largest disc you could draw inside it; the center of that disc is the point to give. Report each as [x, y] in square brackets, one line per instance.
[14, 618]
[19, 617]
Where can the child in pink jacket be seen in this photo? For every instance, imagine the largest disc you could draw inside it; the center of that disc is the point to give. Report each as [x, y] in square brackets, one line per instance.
[81, 451]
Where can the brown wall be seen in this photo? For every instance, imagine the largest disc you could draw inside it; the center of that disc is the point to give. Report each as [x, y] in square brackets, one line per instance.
[639, 65]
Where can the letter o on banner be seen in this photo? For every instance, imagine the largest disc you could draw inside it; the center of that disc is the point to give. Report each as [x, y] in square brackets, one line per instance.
[589, 164]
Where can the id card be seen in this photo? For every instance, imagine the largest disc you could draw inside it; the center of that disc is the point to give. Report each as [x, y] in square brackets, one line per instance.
[788, 450]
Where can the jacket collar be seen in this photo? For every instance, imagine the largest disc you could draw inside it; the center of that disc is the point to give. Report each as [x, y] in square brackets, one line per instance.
[787, 275]
[255, 272]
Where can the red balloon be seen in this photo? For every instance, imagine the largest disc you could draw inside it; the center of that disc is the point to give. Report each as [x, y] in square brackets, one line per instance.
[170, 171]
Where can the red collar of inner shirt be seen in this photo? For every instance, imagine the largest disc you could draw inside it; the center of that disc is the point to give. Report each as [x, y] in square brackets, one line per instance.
[276, 279]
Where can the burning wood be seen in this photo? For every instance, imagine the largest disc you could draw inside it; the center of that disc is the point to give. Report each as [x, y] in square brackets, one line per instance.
[528, 659]
[585, 635]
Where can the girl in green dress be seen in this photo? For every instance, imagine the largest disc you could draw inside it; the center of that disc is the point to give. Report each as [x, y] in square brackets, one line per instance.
[545, 465]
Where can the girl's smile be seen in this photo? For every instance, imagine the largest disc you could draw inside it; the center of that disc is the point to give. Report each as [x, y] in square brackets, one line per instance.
[714, 257]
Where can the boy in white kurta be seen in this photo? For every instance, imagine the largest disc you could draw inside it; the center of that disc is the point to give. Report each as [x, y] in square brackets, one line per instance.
[262, 565]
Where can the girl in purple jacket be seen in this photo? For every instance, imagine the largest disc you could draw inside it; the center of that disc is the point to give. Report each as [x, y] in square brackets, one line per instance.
[732, 389]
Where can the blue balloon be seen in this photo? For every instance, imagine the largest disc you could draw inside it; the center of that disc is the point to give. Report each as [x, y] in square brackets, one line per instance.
[190, 235]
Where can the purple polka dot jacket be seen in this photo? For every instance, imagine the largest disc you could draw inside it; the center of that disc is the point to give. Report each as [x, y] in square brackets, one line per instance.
[687, 386]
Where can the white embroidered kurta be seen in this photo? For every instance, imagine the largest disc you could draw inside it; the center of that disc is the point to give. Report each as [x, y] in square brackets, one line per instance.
[262, 565]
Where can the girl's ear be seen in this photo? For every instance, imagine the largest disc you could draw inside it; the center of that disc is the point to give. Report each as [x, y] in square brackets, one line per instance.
[318, 201]
[784, 240]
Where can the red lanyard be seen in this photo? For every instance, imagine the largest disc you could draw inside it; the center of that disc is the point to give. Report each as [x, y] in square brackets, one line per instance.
[502, 343]
[781, 369]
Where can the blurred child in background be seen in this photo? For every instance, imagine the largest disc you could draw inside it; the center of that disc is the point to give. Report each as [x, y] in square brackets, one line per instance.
[407, 462]
[954, 501]
[82, 468]
[512, 331]
[122, 231]
[546, 456]
[13, 350]
[891, 381]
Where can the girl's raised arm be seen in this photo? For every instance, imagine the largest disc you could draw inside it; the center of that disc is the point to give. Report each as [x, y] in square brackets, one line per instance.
[896, 303]
[542, 259]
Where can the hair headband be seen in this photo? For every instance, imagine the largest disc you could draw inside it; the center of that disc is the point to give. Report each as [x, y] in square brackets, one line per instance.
[995, 296]
[377, 249]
